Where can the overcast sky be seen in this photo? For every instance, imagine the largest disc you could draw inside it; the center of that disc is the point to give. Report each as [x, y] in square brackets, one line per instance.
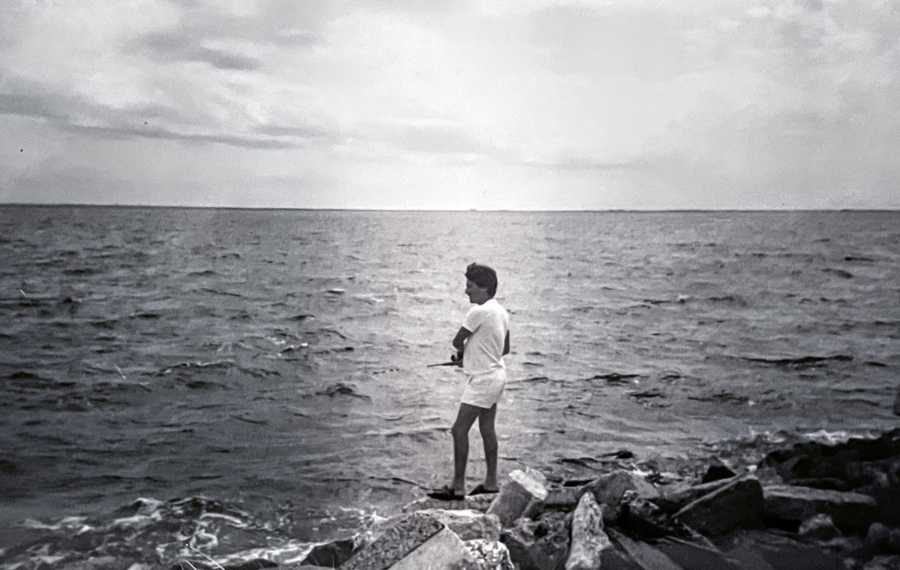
[511, 104]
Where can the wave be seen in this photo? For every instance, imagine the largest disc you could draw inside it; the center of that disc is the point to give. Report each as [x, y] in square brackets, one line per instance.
[839, 272]
[806, 361]
[151, 531]
[220, 292]
[342, 389]
[613, 378]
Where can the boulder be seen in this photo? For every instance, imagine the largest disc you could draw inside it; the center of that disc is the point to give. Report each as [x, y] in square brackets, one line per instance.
[813, 460]
[737, 504]
[716, 471]
[646, 519]
[883, 563]
[588, 539]
[609, 489]
[416, 541]
[894, 541]
[562, 499]
[331, 554]
[819, 527]
[677, 496]
[877, 537]
[768, 550]
[443, 551]
[792, 504]
[538, 545]
[488, 555]
[693, 556]
[643, 555]
[468, 524]
[521, 492]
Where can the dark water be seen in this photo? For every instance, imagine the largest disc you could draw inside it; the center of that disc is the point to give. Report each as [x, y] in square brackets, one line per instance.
[178, 381]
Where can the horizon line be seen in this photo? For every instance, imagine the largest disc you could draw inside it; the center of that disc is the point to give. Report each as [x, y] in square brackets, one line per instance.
[465, 210]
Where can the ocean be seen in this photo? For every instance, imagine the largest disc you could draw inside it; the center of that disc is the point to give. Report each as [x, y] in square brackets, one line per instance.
[244, 383]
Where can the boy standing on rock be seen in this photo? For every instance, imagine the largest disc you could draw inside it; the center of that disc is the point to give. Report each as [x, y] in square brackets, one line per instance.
[481, 343]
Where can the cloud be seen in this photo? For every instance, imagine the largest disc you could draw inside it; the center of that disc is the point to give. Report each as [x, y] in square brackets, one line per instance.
[168, 47]
[76, 114]
[606, 102]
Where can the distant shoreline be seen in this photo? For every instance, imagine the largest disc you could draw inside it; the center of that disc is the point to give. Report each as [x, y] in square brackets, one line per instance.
[461, 211]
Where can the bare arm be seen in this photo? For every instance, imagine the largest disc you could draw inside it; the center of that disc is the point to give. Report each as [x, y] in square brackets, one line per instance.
[459, 340]
[506, 344]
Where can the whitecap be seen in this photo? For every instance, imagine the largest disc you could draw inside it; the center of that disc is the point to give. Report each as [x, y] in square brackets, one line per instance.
[828, 437]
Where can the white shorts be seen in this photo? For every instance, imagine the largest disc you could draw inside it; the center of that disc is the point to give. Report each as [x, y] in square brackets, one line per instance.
[484, 390]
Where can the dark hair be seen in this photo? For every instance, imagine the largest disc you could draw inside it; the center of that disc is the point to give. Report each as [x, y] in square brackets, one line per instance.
[483, 276]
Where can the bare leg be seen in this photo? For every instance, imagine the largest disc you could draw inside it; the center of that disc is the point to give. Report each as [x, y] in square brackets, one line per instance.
[489, 439]
[464, 420]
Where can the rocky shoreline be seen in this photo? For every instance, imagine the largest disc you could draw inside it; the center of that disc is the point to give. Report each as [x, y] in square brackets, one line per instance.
[809, 505]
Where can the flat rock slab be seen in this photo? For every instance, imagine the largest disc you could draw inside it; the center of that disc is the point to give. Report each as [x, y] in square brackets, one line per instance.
[851, 511]
[690, 556]
[519, 494]
[468, 524]
[443, 551]
[737, 504]
[400, 540]
[767, 550]
[642, 554]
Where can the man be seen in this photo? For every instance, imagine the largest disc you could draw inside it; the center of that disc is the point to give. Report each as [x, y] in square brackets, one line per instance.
[481, 344]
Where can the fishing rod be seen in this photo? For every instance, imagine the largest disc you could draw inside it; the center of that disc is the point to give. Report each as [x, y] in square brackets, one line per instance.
[455, 360]
[451, 363]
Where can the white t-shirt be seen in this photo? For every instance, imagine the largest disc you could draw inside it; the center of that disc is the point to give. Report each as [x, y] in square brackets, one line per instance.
[488, 324]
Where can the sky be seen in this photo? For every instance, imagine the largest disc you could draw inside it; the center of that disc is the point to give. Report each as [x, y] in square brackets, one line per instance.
[440, 104]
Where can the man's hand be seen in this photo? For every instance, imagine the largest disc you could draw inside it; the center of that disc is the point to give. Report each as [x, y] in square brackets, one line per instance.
[457, 358]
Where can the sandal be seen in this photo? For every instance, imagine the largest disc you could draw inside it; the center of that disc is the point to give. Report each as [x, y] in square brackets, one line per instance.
[480, 489]
[446, 493]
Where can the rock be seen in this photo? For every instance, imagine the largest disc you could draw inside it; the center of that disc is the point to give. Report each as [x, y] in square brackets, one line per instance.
[331, 554]
[488, 555]
[877, 537]
[588, 539]
[692, 556]
[255, 564]
[416, 541]
[819, 527]
[737, 504]
[608, 490]
[476, 503]
[849, 511]
[646, 519]
[538, 545]
[883, 563]
[677, 496]
[520, 492]
[829, 483]
[716, 471]
[897, 402]
[817, 460]
[443, 551]
[468, 524]
[562, 499]
[642, 554]
[894, 541]
[768, 550]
